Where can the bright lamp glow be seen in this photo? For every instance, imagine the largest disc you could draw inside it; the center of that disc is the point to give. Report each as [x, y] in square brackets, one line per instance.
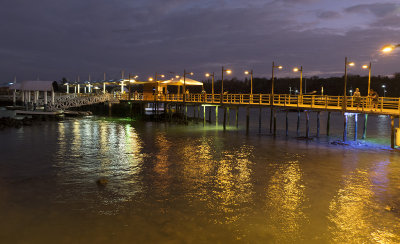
[151, 79]
[246, 72]
[365, 66]
[295, 69]
[228, 71]
[387, 48]
[191, 73]
[352, 64]
[177, 76]
[207, 75]
[162, 76]
[280, 67]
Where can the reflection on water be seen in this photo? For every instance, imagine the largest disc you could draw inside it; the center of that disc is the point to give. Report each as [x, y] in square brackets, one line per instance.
[173, 183]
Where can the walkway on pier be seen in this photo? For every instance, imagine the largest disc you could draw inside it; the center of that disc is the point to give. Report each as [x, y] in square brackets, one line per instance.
[384, 105]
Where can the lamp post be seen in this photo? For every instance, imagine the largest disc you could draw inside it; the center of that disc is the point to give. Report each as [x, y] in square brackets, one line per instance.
[131, 81]
[369, 75]
[228, 71]
[184, 83]
[384, 89]
[212, 83]
[251, 80]
[346, 63]
[272, 85]
[301, 78]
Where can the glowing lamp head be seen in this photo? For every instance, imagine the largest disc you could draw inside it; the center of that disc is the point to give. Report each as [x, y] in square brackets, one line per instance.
[177, 76]
[246, 72]
[351, 64]
[151, 79]
[162, 76]
[228, 71]
[387, 48]
[365, 66]
[383, 86]
[191, 73]
[207, 75]
[296, 70]
[280, 67]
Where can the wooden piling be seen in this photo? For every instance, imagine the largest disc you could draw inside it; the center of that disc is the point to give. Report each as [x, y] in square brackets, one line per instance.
[364, 136]
[216, 115]
[237, 117]
[204, 115]
[270, 120]
[209, 115]
[318, 123]
[227, 115]
[307, 124]
[344, 127]
[355, 126]
[392, 132]
[274, 122]
[259, 120]
[224, 118]
[328, 123]
[247, 119]
[287, 123]
[198, 112]
[298, 122]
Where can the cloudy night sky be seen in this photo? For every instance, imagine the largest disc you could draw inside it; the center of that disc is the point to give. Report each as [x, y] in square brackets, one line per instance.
[54, 38]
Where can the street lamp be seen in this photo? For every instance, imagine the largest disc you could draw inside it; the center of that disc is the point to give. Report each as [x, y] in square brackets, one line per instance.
[212, 82]
[228, 71]
[301, 78]
[184, 83]
[384, 90]
[273, 68]
[389, 48]
[369, 75]
[251, 80]
[346, 63]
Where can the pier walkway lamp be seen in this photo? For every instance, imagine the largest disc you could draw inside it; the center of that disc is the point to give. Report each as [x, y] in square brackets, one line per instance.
[212, 83]
[184, 83]
[366, 66]
[301, 79]
[351, 64]
[389, 48]
[131, 79]
[384, 89]
[251, 80]
[272, 80]
[228, 71]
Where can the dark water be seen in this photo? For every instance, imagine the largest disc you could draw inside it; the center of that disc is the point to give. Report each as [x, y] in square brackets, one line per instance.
[171, 183]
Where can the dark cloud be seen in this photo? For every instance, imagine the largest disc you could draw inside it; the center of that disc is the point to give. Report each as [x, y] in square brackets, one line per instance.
[378, 9]
[68, 38]
[328, 15]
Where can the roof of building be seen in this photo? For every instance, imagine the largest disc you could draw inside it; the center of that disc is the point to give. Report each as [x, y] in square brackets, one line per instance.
[33, 85]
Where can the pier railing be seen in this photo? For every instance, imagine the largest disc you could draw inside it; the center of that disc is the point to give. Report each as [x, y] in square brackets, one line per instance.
[385, 105]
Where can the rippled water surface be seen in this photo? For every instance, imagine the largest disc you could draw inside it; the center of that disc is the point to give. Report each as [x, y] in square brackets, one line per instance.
[171, 183]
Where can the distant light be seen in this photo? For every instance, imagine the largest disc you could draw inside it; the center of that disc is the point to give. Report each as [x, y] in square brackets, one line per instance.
[383, 86]
[246, 72]
[96, 87]
[295, 69]
[191, 73]
[207, 75]
[365, 66]
[177, 76]
[280, 67]
[151, 79]
[162, 76]
[11, 83]
[228, 71]
[352, 64]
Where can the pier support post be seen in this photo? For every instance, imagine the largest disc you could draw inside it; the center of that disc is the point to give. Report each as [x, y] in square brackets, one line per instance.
[224, 124]
[198, 112]
[185, 113]
[23, 97]
[287, 123]
[274, 122]
[237, 117]
[45, 98]
[364, 136]
[14, 97]
[307, 124]
[52, 97]
[204, 115]
[194, 112]
[247, 119]
[270, 120]
[318, 123]
[392, 132]
[259, 120]
[355, 126]
[209, 115]
[298, 123]
[344, 127]
[328, 123]
[227, 114]
[216, 115]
